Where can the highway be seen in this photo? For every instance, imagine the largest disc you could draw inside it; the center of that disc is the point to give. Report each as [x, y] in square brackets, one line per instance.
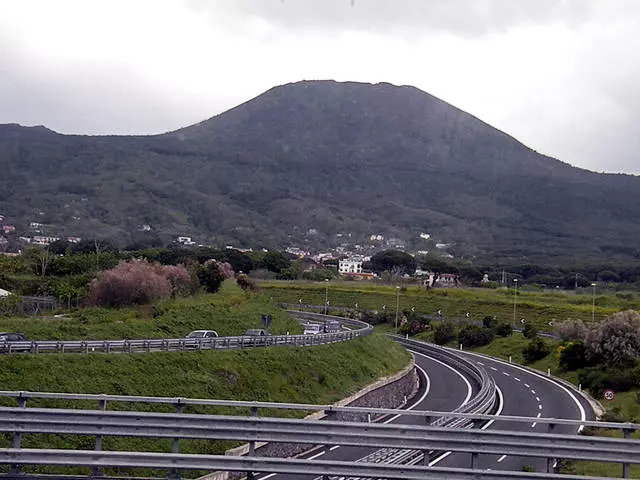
[442, 389]
[524, 394]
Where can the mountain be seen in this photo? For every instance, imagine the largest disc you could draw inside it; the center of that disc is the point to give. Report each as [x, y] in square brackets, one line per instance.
[306, 161]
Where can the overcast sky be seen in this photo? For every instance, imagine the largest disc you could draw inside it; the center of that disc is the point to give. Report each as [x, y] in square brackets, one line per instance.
[562, 76]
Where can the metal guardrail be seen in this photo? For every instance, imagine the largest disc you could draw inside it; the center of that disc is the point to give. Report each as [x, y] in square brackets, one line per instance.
[261, 464]
[187, 344]
[315, 432]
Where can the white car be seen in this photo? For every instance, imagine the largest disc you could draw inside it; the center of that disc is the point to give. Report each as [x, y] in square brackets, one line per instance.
[312, 329]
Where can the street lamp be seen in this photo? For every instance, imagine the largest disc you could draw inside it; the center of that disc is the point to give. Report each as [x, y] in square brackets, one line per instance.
[397, 306]
[326, 297]
[515, 300]
[593, 303]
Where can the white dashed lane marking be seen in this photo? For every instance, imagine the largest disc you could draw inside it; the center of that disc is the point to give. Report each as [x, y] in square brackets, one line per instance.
[494, 369]
[506, 374]
[527, 385]
[516, 379]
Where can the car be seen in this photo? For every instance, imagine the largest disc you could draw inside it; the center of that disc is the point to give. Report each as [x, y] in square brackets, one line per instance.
[8, 337]
[312, 328]
[203, 334]
[332, 326]
[255, 332]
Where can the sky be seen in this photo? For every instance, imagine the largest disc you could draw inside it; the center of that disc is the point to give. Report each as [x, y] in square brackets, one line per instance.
[562, 76]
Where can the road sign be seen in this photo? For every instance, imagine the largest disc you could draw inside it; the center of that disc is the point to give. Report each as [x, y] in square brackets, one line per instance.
[467, 314]
[609, 395]
[413, 309]
[384, 307]
[300, 301]
[356, 305]
[522, 321]
[550, 324]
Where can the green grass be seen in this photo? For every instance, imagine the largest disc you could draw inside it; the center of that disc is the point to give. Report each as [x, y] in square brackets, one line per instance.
[322, 374]
[230, 312]
[538, 308]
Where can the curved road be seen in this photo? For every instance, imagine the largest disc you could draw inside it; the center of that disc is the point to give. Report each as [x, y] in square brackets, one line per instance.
[524, 394]
[442, 389]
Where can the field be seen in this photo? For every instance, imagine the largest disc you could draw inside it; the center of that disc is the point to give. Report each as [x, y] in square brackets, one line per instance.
[538, 307]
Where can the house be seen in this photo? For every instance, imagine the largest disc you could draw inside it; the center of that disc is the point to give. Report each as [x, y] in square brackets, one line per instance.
[8, 228]
[376, 238]
[4, 293]
[145, 228]
[35, 225]
[349, 266]
[1, 218]
[446, 280]
[186, 241]
[43, 240]
[74, 239]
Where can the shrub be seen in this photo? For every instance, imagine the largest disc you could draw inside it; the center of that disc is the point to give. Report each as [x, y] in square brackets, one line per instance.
[225, 268]
[571, 330]
[615, 340]
[245, 283]
[599, 379]
[474, 336]
[444, 333]
[181, 282]
[210, 276]
[529, 331]
[504, 330]
[489, 322]
[536, 349]
[129, 283]
[573, 356]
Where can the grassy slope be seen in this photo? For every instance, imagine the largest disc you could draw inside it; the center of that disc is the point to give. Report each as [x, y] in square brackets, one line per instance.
[537, 307]
[322, 374]
[229, 312]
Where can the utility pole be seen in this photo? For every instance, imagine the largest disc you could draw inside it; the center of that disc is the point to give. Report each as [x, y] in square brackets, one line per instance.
[397, 306]
[593, 303]
[326, 297]
[515, 300]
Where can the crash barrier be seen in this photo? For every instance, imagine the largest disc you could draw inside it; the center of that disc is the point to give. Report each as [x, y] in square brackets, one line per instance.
[185, 344]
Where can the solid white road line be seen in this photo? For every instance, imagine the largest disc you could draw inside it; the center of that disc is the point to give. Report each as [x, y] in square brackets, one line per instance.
[501, 458]
[581, 410]
[469, 388]
[335, 447]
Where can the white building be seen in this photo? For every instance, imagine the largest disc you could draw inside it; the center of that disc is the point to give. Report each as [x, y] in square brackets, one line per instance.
[350, 266]
[4, 293]
[186, 241]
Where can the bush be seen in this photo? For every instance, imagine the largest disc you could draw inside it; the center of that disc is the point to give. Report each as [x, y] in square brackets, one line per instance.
[181, 282]
[489, 322]
[245, 283]
[529, 331]
[210, 276]
[504, 330]
[130, 283]
[474, 336]
[571, 330]
[445, 332]
[536, 349]
[599, 379]
[615, 340]
[573, 356]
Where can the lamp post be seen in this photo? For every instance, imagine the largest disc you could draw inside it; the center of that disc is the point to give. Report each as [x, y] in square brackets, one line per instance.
[593, 303]
[326, 296]
[515, 300]
[397, 306]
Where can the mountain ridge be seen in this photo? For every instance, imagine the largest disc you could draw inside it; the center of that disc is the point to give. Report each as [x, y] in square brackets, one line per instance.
[330, 157]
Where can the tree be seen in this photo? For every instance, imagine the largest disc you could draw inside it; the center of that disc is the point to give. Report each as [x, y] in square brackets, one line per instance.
[390, 259]
[474, 336]
[536, 349]
[275, 261]
[444, 333]
[573, 356]
[529, 331]
[210, 277]
[504, 330]
[571, 330]
[615, 340]
[129, 283]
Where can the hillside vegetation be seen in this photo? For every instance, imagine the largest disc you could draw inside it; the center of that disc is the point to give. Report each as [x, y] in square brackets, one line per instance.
[229, 312]
[306, 161]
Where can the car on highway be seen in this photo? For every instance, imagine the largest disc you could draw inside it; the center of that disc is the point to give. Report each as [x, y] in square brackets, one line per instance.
[255, 332]
[312, 328]
[6, 338]
[332, 326]
[203, 334]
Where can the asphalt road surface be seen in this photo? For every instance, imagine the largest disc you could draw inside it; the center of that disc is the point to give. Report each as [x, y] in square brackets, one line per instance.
[442, 389]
